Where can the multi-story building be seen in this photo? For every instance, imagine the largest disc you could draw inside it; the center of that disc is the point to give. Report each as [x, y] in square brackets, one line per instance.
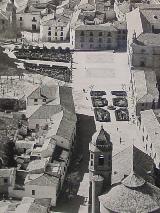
[29, 14]
[54, 28]
[143, 36]
[7, 19]
[97, 37]
[144, 89]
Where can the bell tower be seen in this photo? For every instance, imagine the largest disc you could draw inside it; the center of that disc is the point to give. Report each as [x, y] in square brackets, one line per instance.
[100, 164]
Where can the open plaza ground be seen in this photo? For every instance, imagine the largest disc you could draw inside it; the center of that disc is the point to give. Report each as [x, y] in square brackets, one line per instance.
[105, 71]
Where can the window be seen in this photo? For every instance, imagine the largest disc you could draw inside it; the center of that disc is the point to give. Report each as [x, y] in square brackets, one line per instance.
[34, 19]
[55, 33]
[91, 45]
[61, 38]
[100, 33]
[35, 100]
[61, 33]
[142, 64]
[91, 39]
[101, 160]
[91, 33]
[81, 39]
[124, 31]
[100, 46]
[100, 40]
[20, 18]
[81, 45]
[56, 28]
[34, 27]
[82, 33]
[49, 39]
[49, 28]
[109, 34]
[61, 28]
[147, 137]
[91, 163]
[109, 40]
[5, 180]
[91, 156]
[119, 32]
[33, 192]
[3, 22]
[109, 157]
[49, 33]
[143, 138]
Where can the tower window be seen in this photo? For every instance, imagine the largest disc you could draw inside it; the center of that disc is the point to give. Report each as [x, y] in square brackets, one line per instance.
[101, 160]
[33, 192]
[91, 163]
[91, 156]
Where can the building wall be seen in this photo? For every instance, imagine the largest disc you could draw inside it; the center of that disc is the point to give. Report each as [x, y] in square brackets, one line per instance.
[145, 56]
[108, 40]
[33, 122]
[120, 16]
[86, 7]
[40, 101]
[54, 33]
[26, 22]
[42, 192]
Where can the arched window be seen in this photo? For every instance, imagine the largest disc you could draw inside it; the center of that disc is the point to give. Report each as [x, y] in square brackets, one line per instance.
[101, 160]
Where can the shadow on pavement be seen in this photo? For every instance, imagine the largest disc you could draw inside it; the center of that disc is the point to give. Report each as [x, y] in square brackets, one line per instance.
[85, 129]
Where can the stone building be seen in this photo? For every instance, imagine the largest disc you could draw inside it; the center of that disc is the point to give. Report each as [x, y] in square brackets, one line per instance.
[144, 90]
[100, 166]
[143, 36]
[7, 19]
[119, 183]
[106, 36]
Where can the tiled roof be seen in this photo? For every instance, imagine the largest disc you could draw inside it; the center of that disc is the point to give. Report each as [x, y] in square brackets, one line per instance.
[149, 39]
[131, 157]
[6, 172]
[67, 125]
[120, 25]
[37, 164]
[44, 91]
[102, 27]
[124, 7]
[152, 15]
[41, 180]
[121, 198]
[145, 83]
[66, 98]
[46, 111]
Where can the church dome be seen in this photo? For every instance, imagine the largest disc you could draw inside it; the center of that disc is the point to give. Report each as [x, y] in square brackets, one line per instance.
[133, 194]
[101, 138]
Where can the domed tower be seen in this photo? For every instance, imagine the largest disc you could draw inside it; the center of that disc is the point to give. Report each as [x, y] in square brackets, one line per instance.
[100, 165]
[101, 156]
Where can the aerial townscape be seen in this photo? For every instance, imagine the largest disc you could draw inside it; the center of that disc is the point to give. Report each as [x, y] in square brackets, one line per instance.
[79, 106]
